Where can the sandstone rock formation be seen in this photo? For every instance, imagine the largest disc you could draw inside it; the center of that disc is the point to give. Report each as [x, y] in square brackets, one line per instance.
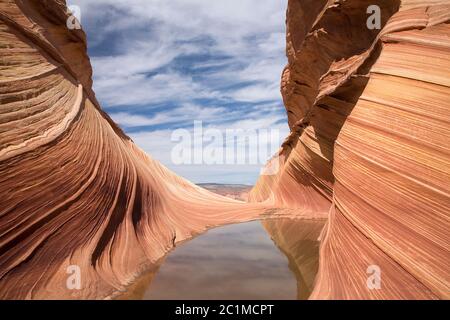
[74, 189]
[368, 150]
[369, 115]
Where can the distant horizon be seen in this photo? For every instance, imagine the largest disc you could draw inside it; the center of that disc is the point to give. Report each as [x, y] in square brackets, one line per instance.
[224, 184]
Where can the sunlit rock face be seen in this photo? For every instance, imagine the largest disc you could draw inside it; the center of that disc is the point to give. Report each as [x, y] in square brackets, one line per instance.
[369, 117]
[368, 150]
[74, 189]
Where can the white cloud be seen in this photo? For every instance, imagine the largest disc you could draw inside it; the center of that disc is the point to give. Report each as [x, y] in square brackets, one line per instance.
[159, 145]
[187, 112]
[258, 92]
[155, 32]
[138, 89]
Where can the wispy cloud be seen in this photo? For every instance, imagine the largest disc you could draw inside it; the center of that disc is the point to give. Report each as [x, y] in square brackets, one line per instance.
[159, 144]
[179, 115]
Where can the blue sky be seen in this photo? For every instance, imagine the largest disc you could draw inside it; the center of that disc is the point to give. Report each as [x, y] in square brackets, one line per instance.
[159, 65]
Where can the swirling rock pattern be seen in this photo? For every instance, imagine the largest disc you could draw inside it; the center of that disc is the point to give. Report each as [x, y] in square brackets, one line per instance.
[74, 189]
[368, 150]
[369, 115]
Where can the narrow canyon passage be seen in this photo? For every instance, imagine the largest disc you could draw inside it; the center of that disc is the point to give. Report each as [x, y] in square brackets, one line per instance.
[364, 170]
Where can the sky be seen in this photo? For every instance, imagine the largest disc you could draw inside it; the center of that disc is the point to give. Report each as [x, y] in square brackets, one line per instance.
[160, 65]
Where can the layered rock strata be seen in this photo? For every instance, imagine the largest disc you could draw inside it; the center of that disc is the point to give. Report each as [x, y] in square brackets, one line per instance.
[369, 115]
[74, 189]
[368, 151]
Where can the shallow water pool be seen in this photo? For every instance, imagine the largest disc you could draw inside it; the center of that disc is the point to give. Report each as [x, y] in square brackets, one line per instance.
[270, 259]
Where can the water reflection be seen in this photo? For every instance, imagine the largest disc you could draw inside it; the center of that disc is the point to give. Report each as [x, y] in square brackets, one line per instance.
[298, 240]
[232, 262]
[272, 259]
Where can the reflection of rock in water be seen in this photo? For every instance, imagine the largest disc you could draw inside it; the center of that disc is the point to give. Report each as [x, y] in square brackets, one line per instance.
[299, 241]
[137, 289]
[238, 261]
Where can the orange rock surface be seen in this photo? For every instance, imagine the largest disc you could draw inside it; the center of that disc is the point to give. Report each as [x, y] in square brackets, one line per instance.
[369, 146]
[74, 189]
[368, 151]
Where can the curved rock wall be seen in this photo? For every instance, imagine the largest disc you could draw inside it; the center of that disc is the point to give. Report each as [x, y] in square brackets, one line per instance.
[369, 116]
[74, 190]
